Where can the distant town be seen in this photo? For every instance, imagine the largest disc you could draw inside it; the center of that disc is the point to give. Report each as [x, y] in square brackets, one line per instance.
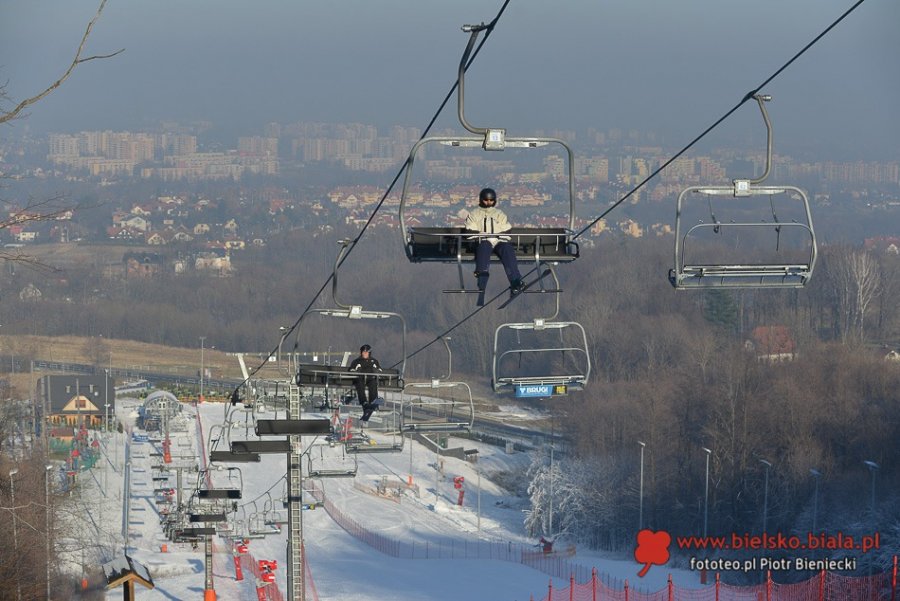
[314, 175]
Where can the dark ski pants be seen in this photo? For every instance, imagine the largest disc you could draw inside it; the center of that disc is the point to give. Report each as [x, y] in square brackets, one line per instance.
[507, 254]
[366, 382]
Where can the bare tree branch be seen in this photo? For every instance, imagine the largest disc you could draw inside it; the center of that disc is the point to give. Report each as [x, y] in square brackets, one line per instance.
[9, 116]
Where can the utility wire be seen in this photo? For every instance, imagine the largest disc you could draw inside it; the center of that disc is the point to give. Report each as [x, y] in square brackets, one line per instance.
[747, 97]
[488, 30]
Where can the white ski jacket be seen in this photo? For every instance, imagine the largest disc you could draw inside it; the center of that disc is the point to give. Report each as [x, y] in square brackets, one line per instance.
[490, 220]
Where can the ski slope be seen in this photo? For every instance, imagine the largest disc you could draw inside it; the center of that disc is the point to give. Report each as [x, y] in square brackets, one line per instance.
[343, 567]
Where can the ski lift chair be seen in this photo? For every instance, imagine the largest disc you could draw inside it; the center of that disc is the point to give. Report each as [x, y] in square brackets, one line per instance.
[703, 270]
[548, 382]
[437, 413]
[381, 434]
[454, 244]
[339, 463]
[543, 378]
[336, 376]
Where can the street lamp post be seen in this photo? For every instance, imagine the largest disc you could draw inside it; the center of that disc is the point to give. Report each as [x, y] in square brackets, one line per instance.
[641, 490]
[765, 494]
[106, 402]
[478, 471]
[12, 494]
[873, 467]
[815, 474]
[47, 470]
[285, 331]
[202, 339]
[550, 533]
[706, 492]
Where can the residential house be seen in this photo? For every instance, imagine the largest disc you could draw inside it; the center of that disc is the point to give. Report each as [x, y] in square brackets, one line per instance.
[156, 239]
[76, 400]
[213, 261]
[142, 264]
[772, 343]
[135, 222]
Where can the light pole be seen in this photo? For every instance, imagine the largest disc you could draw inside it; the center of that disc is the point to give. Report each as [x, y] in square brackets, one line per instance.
[478, 471]
[550, 533]
[873, 467]
[641, 490]
[47, 470]
[106, 402]
[285, 331]
[765, 494]
[706, 492]
[12, 494]
[815, 474]
[202, 338]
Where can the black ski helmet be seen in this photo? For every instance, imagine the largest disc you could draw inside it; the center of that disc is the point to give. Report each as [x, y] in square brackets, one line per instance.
[487, 194]
[365, 348]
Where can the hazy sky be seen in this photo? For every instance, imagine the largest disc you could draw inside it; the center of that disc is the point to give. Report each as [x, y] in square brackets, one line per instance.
[667, 66]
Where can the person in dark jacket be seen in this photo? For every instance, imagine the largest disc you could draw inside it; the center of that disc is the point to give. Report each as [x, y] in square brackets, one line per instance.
[488, 219]
[366, 364]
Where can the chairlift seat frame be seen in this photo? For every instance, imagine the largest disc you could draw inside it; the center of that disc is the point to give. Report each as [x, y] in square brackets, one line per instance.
[461, 422]
[688, 275]
[572, 381]
[315, 374]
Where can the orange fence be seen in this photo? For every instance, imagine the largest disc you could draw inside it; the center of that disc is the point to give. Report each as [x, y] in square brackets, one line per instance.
[825, 586]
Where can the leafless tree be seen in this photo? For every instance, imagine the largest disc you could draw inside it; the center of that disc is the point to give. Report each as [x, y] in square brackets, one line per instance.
[26, 564]
[855, 275]
[45, 208]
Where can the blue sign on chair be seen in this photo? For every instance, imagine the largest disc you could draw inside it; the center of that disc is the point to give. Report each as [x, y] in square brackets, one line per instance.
[533, 390]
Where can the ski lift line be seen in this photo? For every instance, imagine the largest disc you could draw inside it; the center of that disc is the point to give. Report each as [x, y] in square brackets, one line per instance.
[489, 29]
[747, 97]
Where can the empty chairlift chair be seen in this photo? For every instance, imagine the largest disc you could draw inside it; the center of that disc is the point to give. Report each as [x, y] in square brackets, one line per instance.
[449, 407]
[540, 358]
[761, 237]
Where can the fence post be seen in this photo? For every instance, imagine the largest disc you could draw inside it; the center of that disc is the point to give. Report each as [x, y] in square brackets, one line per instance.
[626, 589]
[768, 585]
[594, 581]
[550, 590]
[894, 581]
[671, 589]
[717, 586]
[822, 585]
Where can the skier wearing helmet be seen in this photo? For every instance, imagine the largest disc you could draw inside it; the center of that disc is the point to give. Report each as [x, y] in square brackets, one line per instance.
[488, 219]
[366, 364]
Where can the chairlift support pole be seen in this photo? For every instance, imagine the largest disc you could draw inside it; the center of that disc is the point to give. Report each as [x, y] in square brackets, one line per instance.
[296, 583]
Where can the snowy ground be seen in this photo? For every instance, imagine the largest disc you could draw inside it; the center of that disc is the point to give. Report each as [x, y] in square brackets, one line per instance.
[343, 567]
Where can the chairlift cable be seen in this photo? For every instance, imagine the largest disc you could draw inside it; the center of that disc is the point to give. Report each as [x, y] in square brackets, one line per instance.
[656, 172]
[489, 30]
[747, 97]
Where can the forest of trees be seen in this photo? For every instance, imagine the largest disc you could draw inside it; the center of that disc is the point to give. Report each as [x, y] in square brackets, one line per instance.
[670, 369]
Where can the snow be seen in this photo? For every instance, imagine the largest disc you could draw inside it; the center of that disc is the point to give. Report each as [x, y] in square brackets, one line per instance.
[343, 567]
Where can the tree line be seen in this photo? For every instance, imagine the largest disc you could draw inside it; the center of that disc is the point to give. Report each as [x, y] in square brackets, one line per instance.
[670, 369]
